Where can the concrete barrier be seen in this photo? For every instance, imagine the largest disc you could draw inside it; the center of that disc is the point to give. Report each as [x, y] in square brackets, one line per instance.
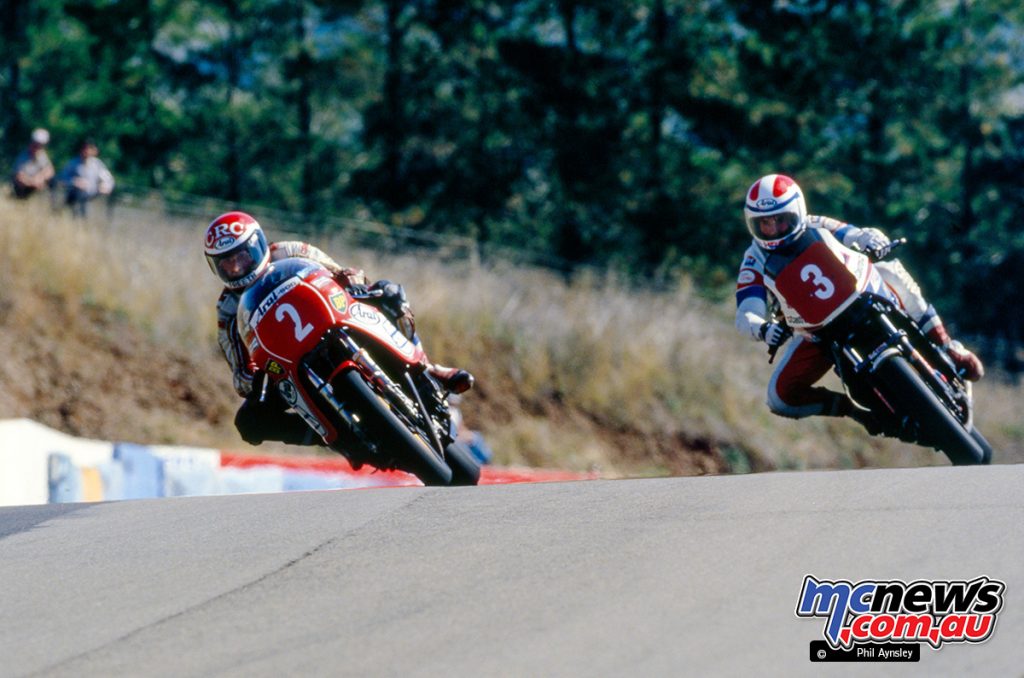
[65, 479]
[25, 449]
[40, 465]
[143, 472]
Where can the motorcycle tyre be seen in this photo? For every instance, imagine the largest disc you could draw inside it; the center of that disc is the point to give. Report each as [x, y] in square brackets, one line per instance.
[907, 388]
[983, 443]
[465, 470]
[412, 449]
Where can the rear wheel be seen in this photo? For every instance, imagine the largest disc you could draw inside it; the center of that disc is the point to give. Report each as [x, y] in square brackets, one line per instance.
[465, 470]
[413, 453]
[937, 425]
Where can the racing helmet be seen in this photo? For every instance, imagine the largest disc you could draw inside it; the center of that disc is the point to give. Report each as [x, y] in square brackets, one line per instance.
[779, 197]
[236, 249]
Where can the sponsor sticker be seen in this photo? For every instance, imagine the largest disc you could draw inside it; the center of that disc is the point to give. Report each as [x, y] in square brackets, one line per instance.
[271, 299]
[366, 315]
[274, 368]
[377, 323]
[746, 277]
[291, 396]
[224, 234]
[287, 389]
[888, 620]
[339, 301]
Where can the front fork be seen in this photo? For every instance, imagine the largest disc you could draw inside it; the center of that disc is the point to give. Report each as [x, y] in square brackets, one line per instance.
[898, 343]
[360, 359]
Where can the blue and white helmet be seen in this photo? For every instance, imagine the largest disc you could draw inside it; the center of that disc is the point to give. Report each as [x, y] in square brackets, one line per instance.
[775, 195]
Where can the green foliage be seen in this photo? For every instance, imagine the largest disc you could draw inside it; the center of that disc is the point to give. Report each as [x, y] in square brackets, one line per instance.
[619, 133]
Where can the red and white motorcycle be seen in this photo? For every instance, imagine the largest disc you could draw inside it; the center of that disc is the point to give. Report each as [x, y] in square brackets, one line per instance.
[886, 362]
[355, 379]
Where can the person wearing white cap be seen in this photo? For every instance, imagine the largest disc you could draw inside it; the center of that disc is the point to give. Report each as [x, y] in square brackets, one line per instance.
[32, 168]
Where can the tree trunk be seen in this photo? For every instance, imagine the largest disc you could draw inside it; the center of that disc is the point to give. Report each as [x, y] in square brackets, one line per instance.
[304, 106]
[393, 105]
[233, 166]
[14, 41]
[967, 179]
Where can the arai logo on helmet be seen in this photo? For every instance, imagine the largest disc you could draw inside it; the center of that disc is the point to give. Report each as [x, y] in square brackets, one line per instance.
[224, 234]
[767, 203]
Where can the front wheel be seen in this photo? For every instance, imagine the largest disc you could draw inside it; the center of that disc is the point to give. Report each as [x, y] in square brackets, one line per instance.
[465, 470]
[413, 453]
[986, 448]
[938, 426]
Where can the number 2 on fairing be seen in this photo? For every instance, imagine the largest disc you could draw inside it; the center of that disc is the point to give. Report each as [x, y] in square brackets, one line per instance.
[824, 288]
[301, 331]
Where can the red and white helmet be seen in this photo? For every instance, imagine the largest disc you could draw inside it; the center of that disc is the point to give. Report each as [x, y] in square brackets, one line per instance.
[236, 249]
[775, 195]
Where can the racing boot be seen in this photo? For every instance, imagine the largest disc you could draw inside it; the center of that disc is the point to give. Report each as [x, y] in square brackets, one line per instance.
[258, 421]
[452, 378]
[843, 406]
[968, 364]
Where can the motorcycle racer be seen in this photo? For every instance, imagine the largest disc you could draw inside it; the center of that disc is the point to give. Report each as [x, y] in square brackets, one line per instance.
[237, 251]
[776, 216]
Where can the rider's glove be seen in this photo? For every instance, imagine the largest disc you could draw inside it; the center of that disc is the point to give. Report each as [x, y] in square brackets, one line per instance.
[396, 305]
[869, 240]
[243, 380]
[392, 297]
[773, 334]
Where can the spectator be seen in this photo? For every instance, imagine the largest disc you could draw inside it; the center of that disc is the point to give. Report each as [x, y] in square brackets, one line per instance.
[474, 440]
[32, 168]
[86, 177]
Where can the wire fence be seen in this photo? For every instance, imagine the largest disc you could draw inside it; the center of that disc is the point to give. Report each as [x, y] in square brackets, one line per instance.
[354, 232]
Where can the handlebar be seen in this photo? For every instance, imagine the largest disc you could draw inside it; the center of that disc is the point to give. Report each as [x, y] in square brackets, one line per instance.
[371, 294]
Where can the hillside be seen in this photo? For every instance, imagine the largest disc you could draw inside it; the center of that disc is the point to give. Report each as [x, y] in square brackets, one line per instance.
[107, 332]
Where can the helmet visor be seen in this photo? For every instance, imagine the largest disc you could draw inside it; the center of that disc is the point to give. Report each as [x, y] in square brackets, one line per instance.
[235, 265]
[239, 262]
[773, 226]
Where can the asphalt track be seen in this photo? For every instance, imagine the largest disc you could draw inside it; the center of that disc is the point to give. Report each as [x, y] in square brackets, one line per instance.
[655, 577]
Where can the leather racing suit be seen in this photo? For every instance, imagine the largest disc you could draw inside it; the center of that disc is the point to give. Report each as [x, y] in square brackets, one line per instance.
[791, 389]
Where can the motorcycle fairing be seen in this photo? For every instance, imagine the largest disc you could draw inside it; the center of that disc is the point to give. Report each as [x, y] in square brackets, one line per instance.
[371, 321]
[816, 279]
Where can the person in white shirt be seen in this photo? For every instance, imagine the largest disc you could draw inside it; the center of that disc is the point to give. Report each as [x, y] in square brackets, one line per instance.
[86, 177]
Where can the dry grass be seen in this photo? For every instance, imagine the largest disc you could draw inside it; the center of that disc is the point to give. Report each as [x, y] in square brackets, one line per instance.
[140, 268]
[589, 373]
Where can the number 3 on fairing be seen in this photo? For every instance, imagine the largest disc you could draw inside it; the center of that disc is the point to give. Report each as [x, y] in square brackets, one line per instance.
[301, 331]
[823, 286]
